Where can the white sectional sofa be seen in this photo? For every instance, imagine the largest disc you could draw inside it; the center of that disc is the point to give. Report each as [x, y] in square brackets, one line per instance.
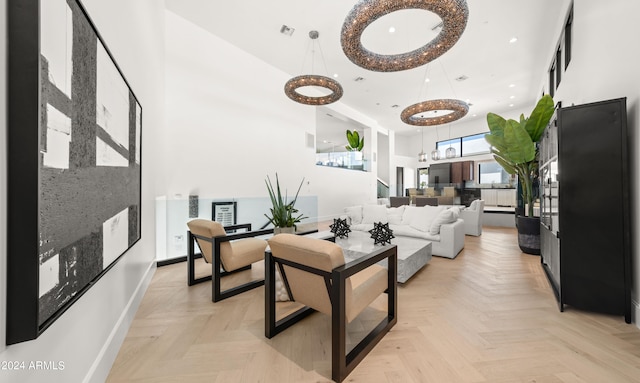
[437, 224]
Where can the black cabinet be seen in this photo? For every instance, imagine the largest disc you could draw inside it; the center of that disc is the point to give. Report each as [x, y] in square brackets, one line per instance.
[585, 219]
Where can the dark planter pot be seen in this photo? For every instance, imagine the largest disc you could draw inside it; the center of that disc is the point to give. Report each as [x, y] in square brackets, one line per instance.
[529, 234]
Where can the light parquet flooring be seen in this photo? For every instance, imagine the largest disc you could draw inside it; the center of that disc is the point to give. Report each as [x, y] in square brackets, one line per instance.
[487, 316]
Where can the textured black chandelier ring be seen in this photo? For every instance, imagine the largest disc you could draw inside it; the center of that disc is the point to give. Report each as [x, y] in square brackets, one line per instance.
[458, 110]
[454, 15]
[313, 80]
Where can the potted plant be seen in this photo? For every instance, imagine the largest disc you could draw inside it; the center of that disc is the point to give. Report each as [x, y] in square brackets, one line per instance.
[282, 211]
[355, 142]
[514, 147]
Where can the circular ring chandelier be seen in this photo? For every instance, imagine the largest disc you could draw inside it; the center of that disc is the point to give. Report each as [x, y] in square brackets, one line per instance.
[313, 80]
[458, 110]
[454, 15]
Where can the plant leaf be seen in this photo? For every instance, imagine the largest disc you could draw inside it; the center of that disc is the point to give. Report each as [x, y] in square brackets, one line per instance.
[539, 118]
[505, 165]
[519, 147]
[496, 124]
[361, 145]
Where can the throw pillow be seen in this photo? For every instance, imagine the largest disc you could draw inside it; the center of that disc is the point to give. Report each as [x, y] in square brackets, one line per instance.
[394, 215]
[444, 217]
[424, 216]
[374, 213]
[355, 214]
[409, 213]
[456, 211]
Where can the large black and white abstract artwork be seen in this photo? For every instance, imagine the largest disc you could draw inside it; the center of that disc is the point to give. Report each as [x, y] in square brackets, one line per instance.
[89, 165]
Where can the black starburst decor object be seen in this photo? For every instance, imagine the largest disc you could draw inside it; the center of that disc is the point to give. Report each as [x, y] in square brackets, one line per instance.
[381, 233]
[340, 228]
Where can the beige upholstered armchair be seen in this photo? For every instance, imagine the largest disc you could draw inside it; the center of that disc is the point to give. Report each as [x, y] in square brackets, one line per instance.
[315, 274]
[225, 253]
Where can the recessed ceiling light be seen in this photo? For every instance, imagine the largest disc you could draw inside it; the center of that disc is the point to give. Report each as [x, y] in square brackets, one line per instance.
[392, 29]
[512, 85]
[335, 75]
[513, 40]
[512, 97]
[475, 115]
[427, 79]
[511, 105]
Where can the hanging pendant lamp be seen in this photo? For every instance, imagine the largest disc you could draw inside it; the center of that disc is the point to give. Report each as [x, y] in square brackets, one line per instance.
[454, 15]
[290, 88]
[422, 156]
[457, 108]
[435, 153]
[451, 151]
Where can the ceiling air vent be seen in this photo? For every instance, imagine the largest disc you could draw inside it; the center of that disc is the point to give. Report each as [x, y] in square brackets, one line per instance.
[358, 79]
[285, 30]
[461, 78]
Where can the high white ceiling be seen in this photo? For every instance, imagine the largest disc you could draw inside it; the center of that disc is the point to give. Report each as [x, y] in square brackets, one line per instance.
[499, 73]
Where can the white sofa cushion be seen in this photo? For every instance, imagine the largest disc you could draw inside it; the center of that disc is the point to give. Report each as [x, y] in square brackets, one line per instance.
[394, 215]
[424, 216]
[456, 211]
[408, 231]
[374, 213]
[354, 213]
[408, 214]
[444, 217]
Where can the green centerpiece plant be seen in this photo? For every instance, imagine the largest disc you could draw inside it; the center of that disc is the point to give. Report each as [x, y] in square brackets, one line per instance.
[283, 211]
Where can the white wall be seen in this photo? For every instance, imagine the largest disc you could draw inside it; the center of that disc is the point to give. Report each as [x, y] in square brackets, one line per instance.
[604, 66]
[88, 336]
[229, 125]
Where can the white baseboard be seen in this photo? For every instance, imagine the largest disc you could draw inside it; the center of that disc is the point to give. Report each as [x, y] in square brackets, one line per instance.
[104, 361]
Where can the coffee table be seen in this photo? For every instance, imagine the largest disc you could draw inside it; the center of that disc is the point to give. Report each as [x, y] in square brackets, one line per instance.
[413, 253]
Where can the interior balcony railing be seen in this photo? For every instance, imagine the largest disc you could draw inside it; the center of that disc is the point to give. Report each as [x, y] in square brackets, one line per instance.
[383, 189]
[345, 160]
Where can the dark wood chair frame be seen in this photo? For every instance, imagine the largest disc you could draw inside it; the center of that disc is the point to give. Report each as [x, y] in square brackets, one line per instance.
[342, 363]
[216, 265]
[424, 201]
[399, 201]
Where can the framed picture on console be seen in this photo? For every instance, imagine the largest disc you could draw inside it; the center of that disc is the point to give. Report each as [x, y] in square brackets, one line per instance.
[74, 162]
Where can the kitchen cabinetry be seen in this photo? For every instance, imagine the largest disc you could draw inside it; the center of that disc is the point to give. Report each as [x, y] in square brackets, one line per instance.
[499, 197]
[461, 171]
[585, 220]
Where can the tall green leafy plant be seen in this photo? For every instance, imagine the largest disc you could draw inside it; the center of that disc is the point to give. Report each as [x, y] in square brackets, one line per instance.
[355, 142]
[282, 211]
[513, 144]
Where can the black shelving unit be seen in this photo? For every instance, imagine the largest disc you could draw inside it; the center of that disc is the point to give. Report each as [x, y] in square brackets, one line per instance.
[585, 218]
